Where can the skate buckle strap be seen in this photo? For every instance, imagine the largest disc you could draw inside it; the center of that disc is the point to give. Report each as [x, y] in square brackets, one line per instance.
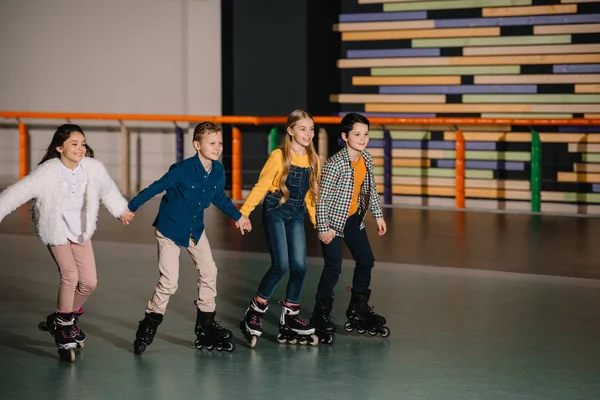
[256, 320]
[256, 307]
[300, 321]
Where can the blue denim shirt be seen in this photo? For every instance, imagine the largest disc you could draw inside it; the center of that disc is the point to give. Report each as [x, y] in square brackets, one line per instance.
[190, 189]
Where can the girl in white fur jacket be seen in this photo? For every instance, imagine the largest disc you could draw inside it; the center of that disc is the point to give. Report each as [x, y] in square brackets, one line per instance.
[68, 186]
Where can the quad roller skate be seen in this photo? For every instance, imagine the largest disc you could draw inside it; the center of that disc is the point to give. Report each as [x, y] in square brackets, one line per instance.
[146, 331]
[362, 318]
[251, 326]
[50, 326]
[210, 334]
[292, 329]
[64, 336]
[321, 320]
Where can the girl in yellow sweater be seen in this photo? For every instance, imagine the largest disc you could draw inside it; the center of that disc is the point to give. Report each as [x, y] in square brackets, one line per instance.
[290, 181]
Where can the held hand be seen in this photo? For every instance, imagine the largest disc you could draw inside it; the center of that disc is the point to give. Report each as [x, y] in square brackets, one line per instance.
[327, 237]
[126, 217]
[244, 224]
[381, 226]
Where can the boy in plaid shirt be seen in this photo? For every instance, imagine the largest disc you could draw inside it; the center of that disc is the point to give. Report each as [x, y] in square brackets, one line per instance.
[348, 191]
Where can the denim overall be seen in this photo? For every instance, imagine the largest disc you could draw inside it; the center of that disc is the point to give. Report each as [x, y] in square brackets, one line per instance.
[284, 229]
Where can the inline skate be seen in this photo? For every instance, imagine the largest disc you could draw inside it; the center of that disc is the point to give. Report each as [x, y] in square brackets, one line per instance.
[146, 331]
[321, 320]
[292, 329]
[64, 336]
[210, 334]
[251, 326]
[362, 318]
[50, 326]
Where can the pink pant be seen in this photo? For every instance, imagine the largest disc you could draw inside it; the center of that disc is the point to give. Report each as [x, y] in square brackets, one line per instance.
[77, 268]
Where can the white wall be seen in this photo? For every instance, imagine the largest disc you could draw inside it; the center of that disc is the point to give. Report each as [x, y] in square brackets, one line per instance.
[109, 56]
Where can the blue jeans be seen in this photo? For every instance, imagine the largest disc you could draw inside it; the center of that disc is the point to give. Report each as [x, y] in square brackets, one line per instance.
[284, 228]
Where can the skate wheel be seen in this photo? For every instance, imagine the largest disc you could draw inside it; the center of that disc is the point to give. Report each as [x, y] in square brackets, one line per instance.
[361, 330]
[281, 339]
[229, 346]
[293, 341]
[302, 342]
[42, 326]
[331, 340]
[348, 327]
[385, 332]
[80, 345]
[313, 340]
[252, 342]
[372, 332]
[210, 347]
[139, 347]
[198, 344]
[66, 355]
[219, 347]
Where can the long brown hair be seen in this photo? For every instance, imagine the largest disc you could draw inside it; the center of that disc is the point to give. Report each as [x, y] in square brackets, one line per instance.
[313, 158]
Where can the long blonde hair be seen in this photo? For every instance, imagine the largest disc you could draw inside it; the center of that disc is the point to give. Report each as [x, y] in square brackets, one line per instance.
[313, 158]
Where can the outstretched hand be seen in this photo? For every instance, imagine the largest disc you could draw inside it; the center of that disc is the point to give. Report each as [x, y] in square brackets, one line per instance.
[244, 224]
[126, 217]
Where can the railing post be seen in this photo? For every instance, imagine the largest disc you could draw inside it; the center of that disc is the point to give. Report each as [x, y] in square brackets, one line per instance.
[236, 164]
[23, 150]
[387, 167]
[536, 172]
[459, 166]
[323, 145]
[178, 143]
[273, 139]
[125, 160]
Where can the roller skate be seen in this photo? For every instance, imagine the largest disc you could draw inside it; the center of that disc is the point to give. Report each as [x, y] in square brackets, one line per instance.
[362, 318]
[146, 331]
[292, 329]
[63, 336]
[49, 326]
[251, 326]
[321, 320]
[210, 334]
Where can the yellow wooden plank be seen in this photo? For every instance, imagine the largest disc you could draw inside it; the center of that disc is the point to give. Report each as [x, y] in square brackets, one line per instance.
[566, 29]
[383, 26]
[428, 190]
[498, 194]
[451, 182]
[420, 33]
[409, 153]
[387, 98]
[524, 79]
[533, 10]
[481, 108]
[592, 116]
[562, 1]
[584, 148]
[403, 162]
[393, 62]
[387, 1]
[575, 177]
[406, 80]
[582, 88]
[545, 49]
[490, 136]
[578, 167]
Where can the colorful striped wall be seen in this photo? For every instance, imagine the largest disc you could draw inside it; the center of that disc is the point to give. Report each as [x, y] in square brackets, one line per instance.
[509, 58]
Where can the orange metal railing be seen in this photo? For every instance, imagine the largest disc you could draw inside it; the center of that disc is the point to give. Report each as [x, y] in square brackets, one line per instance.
[274, 120]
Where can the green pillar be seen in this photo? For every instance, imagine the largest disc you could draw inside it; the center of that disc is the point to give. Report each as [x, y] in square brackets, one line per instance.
[272, 139]
[536, 172]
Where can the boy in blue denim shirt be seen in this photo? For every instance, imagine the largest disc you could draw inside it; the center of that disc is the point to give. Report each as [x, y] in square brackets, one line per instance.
[191, 186]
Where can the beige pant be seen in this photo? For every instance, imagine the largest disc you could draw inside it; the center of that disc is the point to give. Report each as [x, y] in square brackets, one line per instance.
[78, 279]
[168, 267]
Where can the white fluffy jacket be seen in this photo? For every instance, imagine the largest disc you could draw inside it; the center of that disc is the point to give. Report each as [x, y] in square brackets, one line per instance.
[45, 185]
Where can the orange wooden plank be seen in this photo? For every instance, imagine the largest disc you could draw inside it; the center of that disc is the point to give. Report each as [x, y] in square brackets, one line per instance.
[579, 167]
[530, 50]
[406, 80]
[575, 177]
[383, 26]
[590, 88]
[387, 98]
[521, 79]
[592, 116]
[490, 136]
[533, 10]
[403, 162]
[420, 33]
[481, 108]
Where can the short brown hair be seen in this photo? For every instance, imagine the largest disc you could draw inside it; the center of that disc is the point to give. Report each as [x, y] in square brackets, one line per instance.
[205, 127]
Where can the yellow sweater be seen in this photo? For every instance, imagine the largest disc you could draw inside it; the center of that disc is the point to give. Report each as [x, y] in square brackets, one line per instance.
[269, 181]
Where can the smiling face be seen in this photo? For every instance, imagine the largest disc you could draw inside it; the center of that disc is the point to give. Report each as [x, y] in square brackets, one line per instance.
[210, 145]
[73, 149]
[302, 132]
[358, 137]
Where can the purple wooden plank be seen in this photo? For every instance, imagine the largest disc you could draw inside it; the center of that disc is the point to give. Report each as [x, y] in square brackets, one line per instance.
[595, 187]
[389, 115]
[383, 16]
[493, 165]
[480, 146]
[579, 129]
[515, 21]
[425, 52]
[575, 68]
[458, 89]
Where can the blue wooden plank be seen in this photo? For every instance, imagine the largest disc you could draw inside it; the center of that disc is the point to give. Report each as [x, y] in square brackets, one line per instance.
[383, 16]
[385, 53]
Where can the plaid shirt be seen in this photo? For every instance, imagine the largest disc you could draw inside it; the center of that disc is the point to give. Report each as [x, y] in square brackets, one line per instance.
[337, 186]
